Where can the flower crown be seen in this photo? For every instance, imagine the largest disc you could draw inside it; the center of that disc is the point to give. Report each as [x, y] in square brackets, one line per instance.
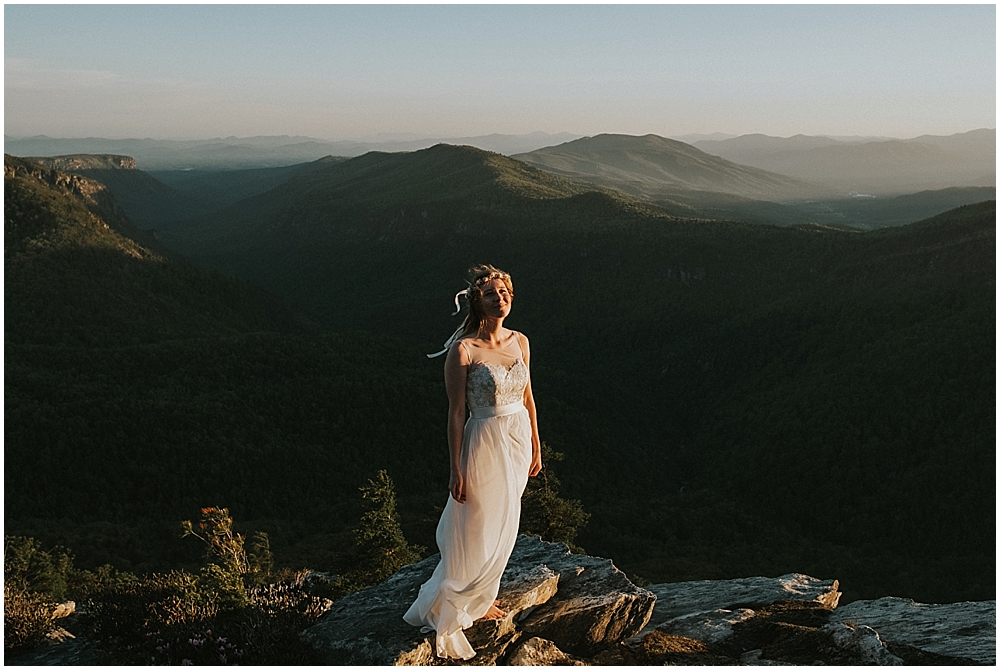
[496, 274]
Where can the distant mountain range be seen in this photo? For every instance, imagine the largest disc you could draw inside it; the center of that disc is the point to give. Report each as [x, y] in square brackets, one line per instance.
[889, 167]
[258, 152]
[676, 178]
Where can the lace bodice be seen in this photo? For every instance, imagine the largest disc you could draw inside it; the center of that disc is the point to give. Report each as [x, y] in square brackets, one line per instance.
[496, 377]
[491, 384]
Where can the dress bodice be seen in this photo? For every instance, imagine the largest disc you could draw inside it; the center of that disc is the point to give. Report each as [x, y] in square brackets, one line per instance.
[495, 377]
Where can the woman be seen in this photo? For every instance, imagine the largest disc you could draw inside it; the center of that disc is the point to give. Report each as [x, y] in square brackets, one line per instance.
[493, 453]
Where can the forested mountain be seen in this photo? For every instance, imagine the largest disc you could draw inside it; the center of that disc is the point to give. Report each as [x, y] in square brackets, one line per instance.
[654, 167]
[139, 389]
[889, 167]
[154, 200]
[732, 399]
[244, 153]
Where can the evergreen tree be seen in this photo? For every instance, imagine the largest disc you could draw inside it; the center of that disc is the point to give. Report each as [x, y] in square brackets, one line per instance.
[381, 547]
[544, 513]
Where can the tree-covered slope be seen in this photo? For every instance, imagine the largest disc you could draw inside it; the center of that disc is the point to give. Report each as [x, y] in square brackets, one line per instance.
[690, 370]
[139, 389]
[77, 271]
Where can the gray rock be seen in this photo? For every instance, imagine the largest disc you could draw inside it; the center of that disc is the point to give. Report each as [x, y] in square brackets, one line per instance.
[596, 605]
[708, 627]
[537, 651]
[367, 627]
[577, 602]
[682, 599]
[965, 630]
[861, 642]
[64, 649]
[752, 657]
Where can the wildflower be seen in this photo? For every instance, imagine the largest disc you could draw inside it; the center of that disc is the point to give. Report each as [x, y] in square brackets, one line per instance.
[187, 661]
[222, 659]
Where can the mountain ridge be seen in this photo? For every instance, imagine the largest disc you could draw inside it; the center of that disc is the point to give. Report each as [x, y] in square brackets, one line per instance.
[651, 165]
[258, 152]
[888, 167]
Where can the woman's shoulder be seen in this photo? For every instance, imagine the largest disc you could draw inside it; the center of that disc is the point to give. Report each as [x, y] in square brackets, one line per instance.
[459, 350]
[521, 338]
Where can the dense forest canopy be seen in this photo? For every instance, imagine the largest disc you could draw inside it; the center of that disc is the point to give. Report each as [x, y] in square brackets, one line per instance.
[731, 399]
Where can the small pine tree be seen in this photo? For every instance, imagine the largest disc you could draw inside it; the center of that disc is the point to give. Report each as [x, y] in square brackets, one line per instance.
[381, 549]
[545, 514]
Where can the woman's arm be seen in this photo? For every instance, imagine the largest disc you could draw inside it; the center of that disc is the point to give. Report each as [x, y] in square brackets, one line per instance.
[456, 367]
[529, 404]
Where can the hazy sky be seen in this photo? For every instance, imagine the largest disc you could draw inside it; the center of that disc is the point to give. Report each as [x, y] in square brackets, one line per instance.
[339, 71]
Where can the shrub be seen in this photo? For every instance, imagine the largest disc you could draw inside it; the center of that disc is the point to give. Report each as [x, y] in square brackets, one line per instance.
[29, 568]
[231, 570]
[544, 513]
[174, 620]
[27, 619]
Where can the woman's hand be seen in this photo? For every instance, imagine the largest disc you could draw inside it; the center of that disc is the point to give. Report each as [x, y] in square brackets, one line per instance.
[536, 463]
[457, 487]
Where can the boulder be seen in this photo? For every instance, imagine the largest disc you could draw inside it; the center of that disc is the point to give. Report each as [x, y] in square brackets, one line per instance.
[708, 627]
[863, 642]
[576, 602]
[596, 605]
[961, 631]
[537, 651]
[685, 599]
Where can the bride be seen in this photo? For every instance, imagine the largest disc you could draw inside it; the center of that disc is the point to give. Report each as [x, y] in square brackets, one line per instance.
[493, 453]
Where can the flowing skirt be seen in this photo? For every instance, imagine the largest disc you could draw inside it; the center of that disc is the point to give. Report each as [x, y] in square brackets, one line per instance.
[476, 538]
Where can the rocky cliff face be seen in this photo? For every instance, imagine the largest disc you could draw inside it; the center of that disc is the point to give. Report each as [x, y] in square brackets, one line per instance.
[79, 162]
[92, 192]
[568, 609]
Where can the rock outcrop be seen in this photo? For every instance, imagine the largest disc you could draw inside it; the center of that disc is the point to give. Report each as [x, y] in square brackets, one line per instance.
[573, 604]
[962, 631]
[678, 602]
[570, 609]
[796, 619]
[567, 609]
[77, 162]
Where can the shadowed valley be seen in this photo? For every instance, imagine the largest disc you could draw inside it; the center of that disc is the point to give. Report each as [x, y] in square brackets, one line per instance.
[731, 399]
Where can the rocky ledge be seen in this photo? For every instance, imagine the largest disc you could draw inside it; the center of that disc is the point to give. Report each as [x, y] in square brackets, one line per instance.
[571, 609]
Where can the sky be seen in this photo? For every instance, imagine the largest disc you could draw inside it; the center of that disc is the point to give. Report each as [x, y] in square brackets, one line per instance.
[356, 71]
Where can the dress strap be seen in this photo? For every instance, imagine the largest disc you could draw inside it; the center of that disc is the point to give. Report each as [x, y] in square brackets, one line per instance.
[517, 338]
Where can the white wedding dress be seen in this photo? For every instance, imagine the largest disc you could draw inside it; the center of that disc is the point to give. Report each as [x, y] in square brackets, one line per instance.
[476, 538]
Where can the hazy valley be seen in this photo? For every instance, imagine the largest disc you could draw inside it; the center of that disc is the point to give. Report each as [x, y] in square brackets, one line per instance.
[748, 371]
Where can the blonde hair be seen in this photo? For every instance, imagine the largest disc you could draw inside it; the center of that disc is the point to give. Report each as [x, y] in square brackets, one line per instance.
[479, 277]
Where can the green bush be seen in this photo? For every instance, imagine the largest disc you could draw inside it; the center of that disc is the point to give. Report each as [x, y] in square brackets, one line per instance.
[544, 513]
[231, 570]
[27, 567]
[27, 619]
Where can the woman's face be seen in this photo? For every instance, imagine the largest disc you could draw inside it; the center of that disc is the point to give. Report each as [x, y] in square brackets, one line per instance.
[496, 299]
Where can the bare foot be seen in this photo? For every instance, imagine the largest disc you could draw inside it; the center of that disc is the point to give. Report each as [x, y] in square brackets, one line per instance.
[495, 612]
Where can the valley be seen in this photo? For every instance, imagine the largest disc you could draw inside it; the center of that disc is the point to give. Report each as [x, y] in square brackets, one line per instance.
[747, 374]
